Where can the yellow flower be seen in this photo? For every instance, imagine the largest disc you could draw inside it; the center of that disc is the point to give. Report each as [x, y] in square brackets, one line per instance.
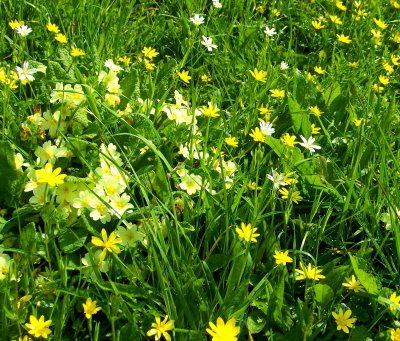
[314, 130]
[160, 328]
[376, 34]
[149, 52]
[257, 135]
[395, 59]
[125, 60]
[253, 186]
[359, 14]
[295, 196]
[90, 308]
[210, 111]
[336, 20]
[276, 12]
[222, 331]
[205, 78]
[61, 38]
[319, 70]
[381, 24]
[384, 80]
[38, 328]
[315, 110]
[184, 76]
[276, 93]
[259, 76]
[389, 68]
[343, 320]
[77, 52]
[282, 257]
[395, 4]
[357, 121]
[395, 333]
[247, 233]
[339, 4]
[395, 300]
[353, 284]
[149, 65]
[343, 39]
[289, 140]
[52, 28]
[231, 141]
[15, 23]
[108, 243]
[377, 88]
[46, 175]
[309, 272]
[265, 111]
[354, 65]
[317, 24]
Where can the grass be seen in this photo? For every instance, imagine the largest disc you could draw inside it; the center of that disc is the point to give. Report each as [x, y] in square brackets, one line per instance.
[145, 162]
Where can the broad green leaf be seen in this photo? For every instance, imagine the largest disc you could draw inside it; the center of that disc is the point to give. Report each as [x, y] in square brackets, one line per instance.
[331, 93]
[256, 321]
[323, 294]
[11, 179]
[301, 123]
[130, 86]
[72, 240]
[367, 280]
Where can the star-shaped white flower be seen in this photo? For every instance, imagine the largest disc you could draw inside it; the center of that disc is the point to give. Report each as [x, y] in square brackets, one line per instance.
[197, 19]
[309, 144]
[270, 32]
[208, 43]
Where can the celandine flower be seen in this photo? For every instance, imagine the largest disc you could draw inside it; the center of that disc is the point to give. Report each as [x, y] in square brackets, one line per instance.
[353, 284]
[282, 257]
[184, 76]
[38, 328]
[90, 308]
[222, 331]
[309, 272]
[247, 233]
[259, 75]
[47, 175]
[343, 320]
[108, 243]
[149, 52]
[52, 28]
[160, 328]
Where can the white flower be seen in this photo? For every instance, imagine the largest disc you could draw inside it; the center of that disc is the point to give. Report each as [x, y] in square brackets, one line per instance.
[309, 144]
[269, 31]
[5, 261]
[23, 30]
[266, 128]
[191, 183]
[217, 4]
[284, 65]
[197, 19]
[208, 43]
[277, 179]
[25, 73]
[130, 235]
[184, 151]
[113, 67]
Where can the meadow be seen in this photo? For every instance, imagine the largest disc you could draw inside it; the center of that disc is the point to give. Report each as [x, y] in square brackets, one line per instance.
[199, 170]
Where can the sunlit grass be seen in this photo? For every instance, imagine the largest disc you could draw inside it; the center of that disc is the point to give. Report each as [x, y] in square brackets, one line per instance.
[169, 166]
